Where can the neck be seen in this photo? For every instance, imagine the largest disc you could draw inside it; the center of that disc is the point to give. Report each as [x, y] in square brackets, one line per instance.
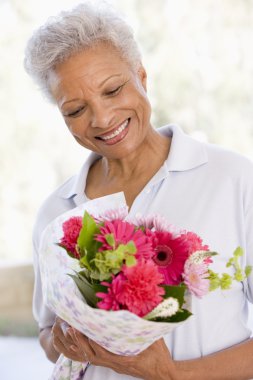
[150, 155]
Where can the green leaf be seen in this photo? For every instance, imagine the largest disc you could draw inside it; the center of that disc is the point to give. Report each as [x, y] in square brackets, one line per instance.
[115, 257]
[130, 261]
[86, 237]
[180, 316]
[91, 254]
[248, 270]
[85, 263]
[214, 280]
[131, 248]
[175, 292]
[110, 240]
[230, 262]
[238, 252]
[239, 276]
[96, 275]
[87, 289]
[100, 288]
[225, 281]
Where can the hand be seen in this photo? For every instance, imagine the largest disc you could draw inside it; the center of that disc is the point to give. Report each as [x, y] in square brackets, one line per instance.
[63, 341]
[154, 363]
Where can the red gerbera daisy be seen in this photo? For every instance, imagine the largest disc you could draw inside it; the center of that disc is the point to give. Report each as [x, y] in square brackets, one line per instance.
[170, 256]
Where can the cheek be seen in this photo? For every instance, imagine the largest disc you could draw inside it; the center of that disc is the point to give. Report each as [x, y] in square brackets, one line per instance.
[137, 102]
[76, 127]
[144, 108]
[79, 132]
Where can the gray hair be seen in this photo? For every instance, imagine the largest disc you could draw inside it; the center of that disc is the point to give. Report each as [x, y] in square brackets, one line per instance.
[73, 31]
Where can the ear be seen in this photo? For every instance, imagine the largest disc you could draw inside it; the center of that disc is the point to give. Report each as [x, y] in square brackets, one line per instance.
[143, 77]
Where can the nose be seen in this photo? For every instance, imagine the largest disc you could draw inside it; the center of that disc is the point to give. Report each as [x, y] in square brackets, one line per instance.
[101, 116]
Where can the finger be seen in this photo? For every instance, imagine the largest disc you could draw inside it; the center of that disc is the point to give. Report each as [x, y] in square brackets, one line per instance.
[99, 349]
[73, 354]
[105, 357]
[72, 333]
[76, 344]
[80, 344]
[84, 346]
[118, 363]
[65, 329]
[62, 329]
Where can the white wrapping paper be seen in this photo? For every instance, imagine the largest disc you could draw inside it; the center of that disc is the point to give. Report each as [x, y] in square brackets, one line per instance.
[120, 332]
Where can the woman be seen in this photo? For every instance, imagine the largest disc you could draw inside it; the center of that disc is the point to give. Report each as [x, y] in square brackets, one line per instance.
[88, 64]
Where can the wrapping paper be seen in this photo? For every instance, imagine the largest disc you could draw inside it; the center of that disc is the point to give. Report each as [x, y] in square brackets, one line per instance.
[120, 332]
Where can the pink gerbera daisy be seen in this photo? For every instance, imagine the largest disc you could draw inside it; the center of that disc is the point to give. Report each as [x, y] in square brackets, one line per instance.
[196, 278]
[71, 230]
[170, 256]
[124, 232]
[114, 214]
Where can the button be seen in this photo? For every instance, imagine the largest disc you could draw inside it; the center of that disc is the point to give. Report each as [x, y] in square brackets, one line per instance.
[138, 215]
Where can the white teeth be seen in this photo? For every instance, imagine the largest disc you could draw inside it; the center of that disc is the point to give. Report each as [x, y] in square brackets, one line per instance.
[117, 132]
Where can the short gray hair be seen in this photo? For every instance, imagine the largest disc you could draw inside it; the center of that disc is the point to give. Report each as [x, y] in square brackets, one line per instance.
[74, 31]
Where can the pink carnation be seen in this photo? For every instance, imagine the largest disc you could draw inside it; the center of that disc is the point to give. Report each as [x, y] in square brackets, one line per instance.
[141, 292]
[71, 230]
[194, 242]
[123, 233]
[135, 289]
[196, 278]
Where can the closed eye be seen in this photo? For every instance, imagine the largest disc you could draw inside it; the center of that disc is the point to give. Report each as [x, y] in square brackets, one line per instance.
[115, 91]
[75, 113]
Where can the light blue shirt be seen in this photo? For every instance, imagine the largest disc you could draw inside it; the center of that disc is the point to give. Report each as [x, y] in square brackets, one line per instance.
[201, 188]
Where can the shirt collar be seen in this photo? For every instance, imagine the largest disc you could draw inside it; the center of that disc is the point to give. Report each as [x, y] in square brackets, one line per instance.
[75, 185]
[185, 154]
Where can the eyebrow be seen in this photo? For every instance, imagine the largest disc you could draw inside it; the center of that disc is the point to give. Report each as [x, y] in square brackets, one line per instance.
[101, 84]
[112, 76]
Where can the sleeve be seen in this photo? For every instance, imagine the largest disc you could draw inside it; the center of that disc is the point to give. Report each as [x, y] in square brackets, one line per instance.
[47, 212]
[42, 314]
[52, 206]
[249, 251]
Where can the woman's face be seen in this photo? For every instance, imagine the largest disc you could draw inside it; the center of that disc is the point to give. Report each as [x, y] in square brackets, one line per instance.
[103, 101]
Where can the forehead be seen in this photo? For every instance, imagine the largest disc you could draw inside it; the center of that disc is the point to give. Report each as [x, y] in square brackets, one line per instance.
[91, 66]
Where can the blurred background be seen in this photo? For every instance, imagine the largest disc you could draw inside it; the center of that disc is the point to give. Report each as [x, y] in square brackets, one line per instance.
[199, 60]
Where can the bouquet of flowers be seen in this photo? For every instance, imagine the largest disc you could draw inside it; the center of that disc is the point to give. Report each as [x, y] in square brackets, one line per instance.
[134, 279]
[145, 267]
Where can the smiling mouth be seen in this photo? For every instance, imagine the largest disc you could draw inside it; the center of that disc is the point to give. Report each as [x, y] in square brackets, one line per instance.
[117, 133]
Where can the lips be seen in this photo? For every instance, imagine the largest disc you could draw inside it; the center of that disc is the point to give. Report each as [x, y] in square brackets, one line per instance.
[115, 135]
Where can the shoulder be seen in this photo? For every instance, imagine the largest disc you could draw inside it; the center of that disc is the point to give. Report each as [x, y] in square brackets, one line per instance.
[231, 168]
[230, 162]
[63, 198]
[54, 205]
